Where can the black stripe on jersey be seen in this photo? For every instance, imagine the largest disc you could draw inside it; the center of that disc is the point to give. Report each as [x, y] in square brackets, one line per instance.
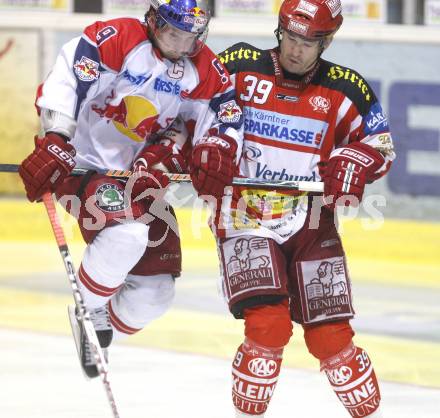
[347, 81]
[245, 57]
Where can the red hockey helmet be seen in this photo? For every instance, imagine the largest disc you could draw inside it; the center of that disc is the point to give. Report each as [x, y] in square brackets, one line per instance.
[312, 19]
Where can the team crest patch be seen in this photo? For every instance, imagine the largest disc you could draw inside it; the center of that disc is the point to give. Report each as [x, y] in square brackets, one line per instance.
[229, 112]
[86, 69]
[320, 104]
[110, 197]
[249, 267]
[325, 290]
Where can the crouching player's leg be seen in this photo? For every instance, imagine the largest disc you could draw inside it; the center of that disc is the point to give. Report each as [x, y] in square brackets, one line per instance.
[148, 291]
[254, 282]
[113, 265]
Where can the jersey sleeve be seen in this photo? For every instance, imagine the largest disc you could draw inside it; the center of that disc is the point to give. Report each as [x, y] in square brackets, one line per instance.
[360, 116]
[88, 64]
[212, 104]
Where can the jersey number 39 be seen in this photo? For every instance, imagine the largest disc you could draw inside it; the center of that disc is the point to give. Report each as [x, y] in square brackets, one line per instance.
[256, 90]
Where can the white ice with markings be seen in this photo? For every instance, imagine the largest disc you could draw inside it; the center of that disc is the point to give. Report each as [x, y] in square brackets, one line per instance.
[40, 377]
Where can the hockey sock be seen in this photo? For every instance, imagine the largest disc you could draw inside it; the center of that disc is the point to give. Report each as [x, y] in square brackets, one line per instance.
[352, 377]
[255, 371]
[108, 259]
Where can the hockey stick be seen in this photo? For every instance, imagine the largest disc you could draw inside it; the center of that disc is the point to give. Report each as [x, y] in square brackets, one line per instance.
[120, 174]
[305, 186]
[83, 313]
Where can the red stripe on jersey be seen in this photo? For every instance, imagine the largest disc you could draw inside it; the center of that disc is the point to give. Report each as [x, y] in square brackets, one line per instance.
[93, 286]
[279, 144]
[118, 324]
[213, 76]
[343, 129]
[113, 49]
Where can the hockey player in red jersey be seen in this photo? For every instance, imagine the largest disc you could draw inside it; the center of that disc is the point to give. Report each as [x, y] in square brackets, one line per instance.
[116, 98]
[282, 259]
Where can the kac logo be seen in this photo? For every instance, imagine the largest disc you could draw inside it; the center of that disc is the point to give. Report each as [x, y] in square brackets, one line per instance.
[339, 376]
[262, 367]
[320, 104]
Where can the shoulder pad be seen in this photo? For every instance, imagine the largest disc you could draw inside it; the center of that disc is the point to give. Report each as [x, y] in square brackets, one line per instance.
[115, 39]
[212, 75]
[350, 83]
[241, 56]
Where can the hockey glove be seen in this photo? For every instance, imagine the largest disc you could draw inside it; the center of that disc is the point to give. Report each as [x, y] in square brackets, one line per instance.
[348, 170]
[213, 164]
[47, 166]
[152, 164]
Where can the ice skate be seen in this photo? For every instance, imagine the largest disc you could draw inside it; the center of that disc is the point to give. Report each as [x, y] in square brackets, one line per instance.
[104, 332]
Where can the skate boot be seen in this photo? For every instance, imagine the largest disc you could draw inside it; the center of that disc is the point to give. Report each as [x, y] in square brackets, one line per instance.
[101, 322]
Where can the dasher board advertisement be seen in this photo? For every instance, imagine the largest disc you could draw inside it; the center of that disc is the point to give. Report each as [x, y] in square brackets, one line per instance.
[246, 7]
[126, 7]
[37, 5]
[20, 62]
[359, 10]
[432, 12]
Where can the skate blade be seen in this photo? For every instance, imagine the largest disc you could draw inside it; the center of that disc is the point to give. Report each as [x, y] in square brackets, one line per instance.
[76, 335]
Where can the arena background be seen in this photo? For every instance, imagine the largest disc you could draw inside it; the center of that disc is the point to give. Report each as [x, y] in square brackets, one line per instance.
[393, 244]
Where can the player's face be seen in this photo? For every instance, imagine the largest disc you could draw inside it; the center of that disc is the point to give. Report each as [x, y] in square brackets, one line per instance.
[175, 43]
[297, 54]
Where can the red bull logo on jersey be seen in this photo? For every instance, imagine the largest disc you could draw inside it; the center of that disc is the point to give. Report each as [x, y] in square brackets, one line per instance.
[229, 112]
[86, 69]
[135, 117]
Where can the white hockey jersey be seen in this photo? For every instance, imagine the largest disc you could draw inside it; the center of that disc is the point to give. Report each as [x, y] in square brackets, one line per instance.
[122, 93]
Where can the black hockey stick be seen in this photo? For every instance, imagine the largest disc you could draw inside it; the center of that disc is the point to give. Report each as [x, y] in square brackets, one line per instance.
[82, 311]
[305, 186]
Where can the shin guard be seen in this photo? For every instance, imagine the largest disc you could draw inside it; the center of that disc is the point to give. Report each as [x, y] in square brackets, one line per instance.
[255, 373]
[352, 377]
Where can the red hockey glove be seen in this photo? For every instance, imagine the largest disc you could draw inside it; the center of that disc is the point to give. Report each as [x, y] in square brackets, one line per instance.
[152, 164]
[213, 164]
[348, 170]
[47, 166]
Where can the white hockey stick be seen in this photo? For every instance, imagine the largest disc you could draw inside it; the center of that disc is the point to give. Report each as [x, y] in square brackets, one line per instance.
[83, 313]
[304, 186]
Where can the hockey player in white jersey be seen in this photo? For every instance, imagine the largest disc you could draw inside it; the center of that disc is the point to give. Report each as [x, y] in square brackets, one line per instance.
[111, 96]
